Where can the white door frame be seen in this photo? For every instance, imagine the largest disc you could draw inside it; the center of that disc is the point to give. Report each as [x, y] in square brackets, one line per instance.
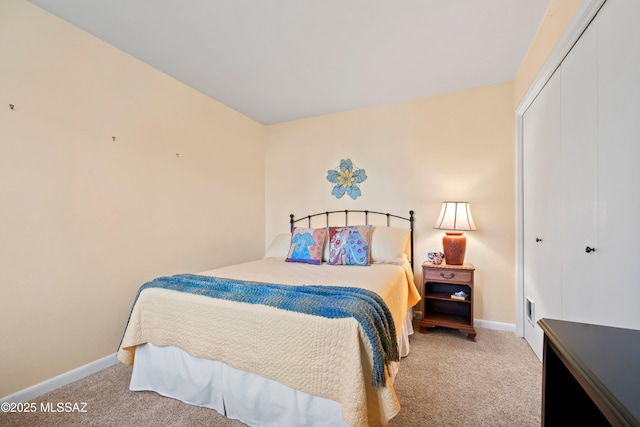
[581, 20]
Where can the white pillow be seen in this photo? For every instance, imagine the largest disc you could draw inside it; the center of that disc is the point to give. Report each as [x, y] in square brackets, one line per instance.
[389, 245]
[279, 248]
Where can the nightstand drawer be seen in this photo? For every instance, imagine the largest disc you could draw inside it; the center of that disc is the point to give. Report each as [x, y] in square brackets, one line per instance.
[444, 276]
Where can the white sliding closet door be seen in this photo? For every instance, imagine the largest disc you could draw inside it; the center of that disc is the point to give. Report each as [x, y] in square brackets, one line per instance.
[541, 197]
[618, 251]
[579, 179]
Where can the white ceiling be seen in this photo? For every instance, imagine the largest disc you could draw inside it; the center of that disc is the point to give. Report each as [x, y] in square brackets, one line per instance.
[281, 60]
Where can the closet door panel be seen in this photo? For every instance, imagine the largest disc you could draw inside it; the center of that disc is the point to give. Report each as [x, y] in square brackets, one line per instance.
[541, 198]
[579, 179]
[618, 251]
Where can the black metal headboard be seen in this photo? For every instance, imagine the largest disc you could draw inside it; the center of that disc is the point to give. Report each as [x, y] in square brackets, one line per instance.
[346, 212]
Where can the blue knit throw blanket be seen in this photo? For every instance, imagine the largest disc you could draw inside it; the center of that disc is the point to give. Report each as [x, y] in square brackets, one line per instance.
[334, 302]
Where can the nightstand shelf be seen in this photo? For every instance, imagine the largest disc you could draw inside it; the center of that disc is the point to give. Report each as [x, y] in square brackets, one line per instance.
[452, 320]
[440, 309]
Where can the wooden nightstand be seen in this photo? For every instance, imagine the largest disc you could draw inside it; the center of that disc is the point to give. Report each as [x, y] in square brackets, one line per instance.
[439, 282]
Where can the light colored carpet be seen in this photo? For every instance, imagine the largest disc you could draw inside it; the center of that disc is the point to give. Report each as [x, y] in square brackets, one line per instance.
[445, 381]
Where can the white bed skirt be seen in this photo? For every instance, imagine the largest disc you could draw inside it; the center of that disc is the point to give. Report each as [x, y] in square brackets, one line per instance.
[254, 400]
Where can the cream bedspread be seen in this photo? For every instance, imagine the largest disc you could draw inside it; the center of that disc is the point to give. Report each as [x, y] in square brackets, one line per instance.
[331, 358]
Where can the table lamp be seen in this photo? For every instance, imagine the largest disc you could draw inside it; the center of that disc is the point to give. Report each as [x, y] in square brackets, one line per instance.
[454, 218]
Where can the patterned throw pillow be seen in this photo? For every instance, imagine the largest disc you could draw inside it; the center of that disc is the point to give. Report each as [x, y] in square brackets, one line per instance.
[306, 245]
[349, 245]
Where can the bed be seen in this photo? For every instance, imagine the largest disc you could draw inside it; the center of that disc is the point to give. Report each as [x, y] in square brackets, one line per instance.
[310, 335]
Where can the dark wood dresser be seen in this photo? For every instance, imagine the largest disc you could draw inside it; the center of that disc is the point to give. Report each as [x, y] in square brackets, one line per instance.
[590, 374]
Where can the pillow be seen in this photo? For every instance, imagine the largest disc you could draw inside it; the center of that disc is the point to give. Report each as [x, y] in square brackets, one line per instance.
[389, 245]
[325, 253]
[279, 248]
[306, 245]
[349, 245]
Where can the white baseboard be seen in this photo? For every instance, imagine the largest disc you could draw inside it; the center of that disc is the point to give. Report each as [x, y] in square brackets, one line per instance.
[489, 324]
[44, 387]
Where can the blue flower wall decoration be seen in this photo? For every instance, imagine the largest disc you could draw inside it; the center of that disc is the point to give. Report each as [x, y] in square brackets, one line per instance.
[345, 179]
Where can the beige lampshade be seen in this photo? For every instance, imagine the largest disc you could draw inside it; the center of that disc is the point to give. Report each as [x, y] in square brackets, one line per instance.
[455, 216]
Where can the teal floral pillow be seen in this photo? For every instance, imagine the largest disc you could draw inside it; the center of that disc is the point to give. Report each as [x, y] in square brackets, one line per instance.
[349, 245]
[306, 245]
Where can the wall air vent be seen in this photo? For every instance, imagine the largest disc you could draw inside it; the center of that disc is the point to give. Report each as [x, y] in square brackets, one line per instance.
[529, 310]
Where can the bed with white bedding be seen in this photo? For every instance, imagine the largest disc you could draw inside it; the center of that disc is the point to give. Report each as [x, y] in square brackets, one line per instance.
[271, 366]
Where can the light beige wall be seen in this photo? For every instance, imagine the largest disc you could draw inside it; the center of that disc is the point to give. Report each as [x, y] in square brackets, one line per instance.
[84, 220]
[555, 22]
[456, 146]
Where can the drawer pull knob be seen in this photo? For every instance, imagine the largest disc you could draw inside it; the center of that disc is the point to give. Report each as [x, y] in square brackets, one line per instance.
[588, 249]
[450, 276]
[538, 239]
